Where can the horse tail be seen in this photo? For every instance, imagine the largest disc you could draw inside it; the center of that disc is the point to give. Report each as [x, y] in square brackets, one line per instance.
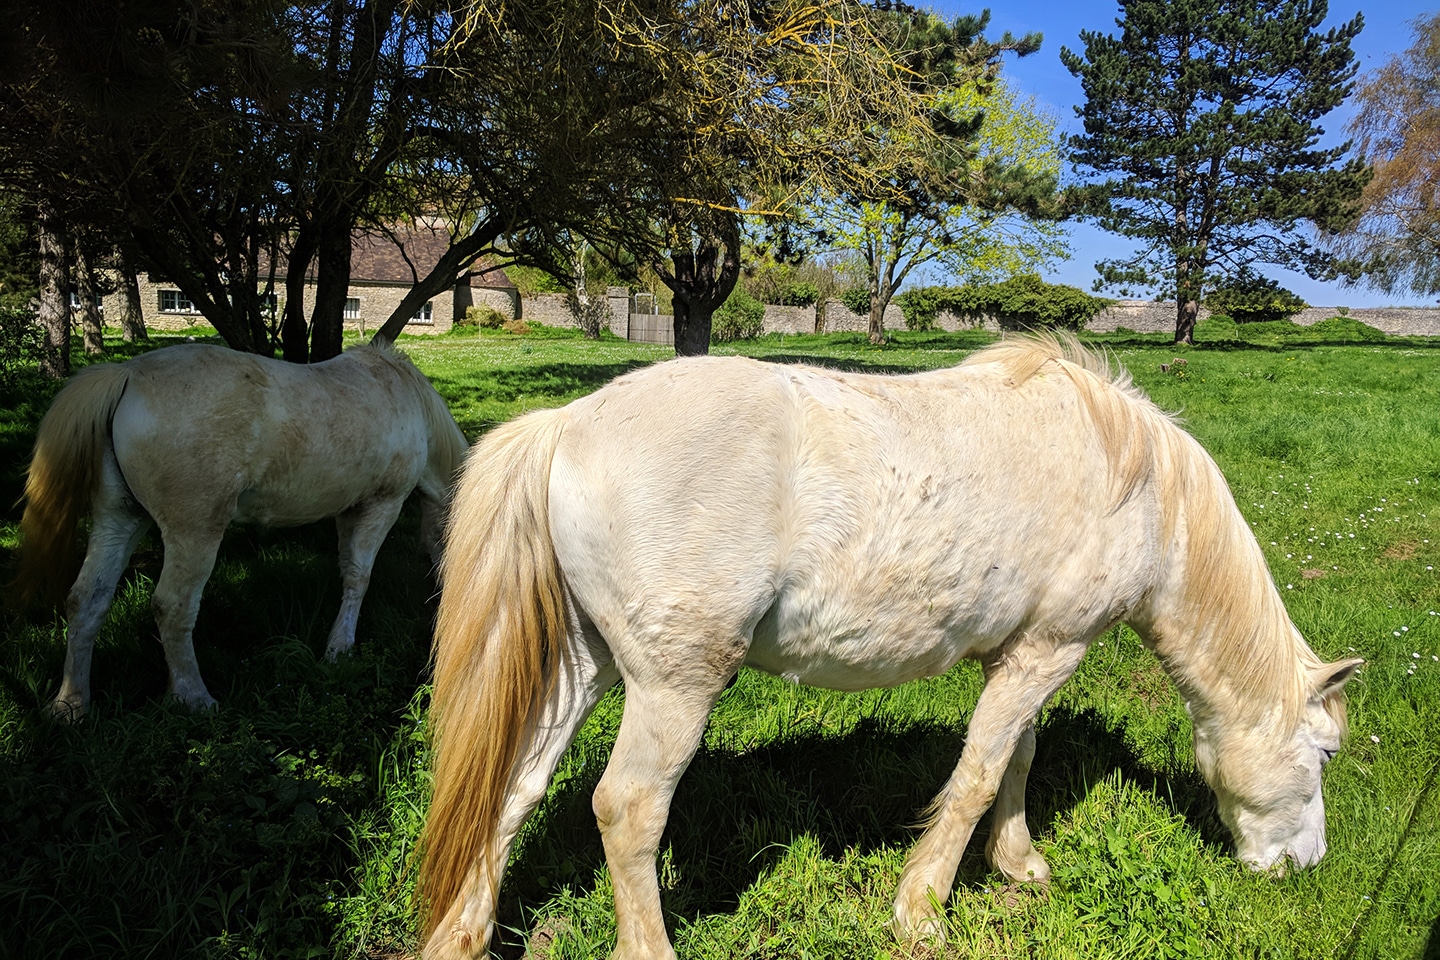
[499, 638]
[64, 474]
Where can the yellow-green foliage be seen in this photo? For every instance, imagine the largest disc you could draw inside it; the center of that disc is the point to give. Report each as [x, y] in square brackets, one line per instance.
[485, 317]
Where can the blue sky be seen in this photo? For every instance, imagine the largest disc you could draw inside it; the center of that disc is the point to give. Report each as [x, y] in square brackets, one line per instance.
[1041, 75]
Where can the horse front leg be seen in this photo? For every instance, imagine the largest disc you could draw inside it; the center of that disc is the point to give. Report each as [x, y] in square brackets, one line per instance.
[361, 530]
[1019, 679]
[1010, 848]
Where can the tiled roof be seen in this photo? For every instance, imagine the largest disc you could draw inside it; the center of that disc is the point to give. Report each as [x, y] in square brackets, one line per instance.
[379, 258]
[376, 258]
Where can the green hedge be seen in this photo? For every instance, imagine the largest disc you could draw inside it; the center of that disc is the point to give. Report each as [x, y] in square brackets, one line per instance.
[1023, 302]
[740, 317]
[1248, 298]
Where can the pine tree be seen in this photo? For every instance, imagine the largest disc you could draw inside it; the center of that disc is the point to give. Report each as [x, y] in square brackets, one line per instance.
[1201, 128]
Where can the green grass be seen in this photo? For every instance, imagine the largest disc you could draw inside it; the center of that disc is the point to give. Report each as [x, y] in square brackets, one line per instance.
[281, 825]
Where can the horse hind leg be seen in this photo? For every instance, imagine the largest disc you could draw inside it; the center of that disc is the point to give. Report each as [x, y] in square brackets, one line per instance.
[587, 672]
[1018, 681]
[115, 530]
[189, 560]
[362, 530]
[659, 732]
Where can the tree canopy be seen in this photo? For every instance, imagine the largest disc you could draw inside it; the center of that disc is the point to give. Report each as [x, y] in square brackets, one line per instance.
[1395, 243]
[1201, 122]
[979, 202]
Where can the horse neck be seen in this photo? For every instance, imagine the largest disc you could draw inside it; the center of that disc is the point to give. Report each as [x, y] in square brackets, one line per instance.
[1214, 617]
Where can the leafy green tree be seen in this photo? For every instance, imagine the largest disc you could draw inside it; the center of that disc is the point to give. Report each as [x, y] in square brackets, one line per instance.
[19, 269]
[1395, 244]
[974, 199]
[1201, 120]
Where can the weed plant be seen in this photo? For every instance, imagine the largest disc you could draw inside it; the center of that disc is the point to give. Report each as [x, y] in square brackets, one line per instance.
[283, 823]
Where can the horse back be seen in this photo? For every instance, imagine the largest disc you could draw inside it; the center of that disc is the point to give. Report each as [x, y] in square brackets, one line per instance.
[862, 529]
[206, 434]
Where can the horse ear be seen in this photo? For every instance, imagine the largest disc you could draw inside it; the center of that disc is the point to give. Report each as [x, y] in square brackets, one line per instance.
[1330, 677]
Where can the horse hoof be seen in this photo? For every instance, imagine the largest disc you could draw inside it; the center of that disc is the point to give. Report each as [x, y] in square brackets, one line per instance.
[1032, 869]
[65, 711]
[198, 702]
[916, 922]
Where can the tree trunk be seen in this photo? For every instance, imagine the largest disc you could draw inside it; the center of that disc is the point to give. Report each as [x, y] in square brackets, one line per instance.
[294, 331]
[54, 313]
[879, 300]
[332, 286]
[1186, 312]
[132, 321]
[89, 312]
[692, 329]
[702, 280]
[587, 310]
[820, 303]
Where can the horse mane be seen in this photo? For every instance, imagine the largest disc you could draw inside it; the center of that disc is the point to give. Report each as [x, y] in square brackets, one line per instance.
[448, 446]
[1244, 642]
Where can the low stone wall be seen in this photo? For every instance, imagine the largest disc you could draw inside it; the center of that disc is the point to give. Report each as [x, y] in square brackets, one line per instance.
[1396, 321]
[1142, 316]
[549, 309]
[1150, 316]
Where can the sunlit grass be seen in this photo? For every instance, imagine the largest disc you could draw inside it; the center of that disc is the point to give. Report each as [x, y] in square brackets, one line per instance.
[283, 824]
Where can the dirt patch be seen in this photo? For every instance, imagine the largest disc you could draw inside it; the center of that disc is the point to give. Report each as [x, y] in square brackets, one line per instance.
[1403, 550]
[544, 936]
[1313, 573]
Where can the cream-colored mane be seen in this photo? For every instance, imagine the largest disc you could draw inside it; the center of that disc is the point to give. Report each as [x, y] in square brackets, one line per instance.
[1245, 633]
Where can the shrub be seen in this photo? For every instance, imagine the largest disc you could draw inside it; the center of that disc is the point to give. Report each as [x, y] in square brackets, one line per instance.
[1021, 302]
[740, 317]
[801, 293]
[515, 326]
[21, 341]
[856, 300]
[483, 316]
[786, 284]
[1250, 298]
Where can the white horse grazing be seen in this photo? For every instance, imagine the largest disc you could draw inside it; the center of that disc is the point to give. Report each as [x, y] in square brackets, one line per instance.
[847, 531]
[193, 437]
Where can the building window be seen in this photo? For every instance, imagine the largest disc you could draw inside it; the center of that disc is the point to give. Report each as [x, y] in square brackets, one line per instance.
[352, 308]
[425, 314]
[269, 305]
[172, 301]
[75, 301]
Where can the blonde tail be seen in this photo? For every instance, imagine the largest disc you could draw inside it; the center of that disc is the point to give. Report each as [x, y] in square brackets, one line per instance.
[64, 473]
[498, 642]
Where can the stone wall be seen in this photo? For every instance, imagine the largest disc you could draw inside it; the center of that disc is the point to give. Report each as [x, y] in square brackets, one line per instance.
[1147, 316]
[1142, 316]
[547, 308]
[377, 301]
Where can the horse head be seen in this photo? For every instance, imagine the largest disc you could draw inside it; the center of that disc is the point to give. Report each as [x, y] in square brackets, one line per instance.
[1268, 786]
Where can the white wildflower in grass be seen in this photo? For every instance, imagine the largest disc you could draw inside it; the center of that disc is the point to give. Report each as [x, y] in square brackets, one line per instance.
[1375, 738]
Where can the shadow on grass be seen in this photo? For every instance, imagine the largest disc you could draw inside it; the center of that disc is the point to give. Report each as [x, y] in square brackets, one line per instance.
[735, 815]
[148, 830]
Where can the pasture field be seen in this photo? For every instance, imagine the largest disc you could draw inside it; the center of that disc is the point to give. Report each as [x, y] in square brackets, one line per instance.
[281, 825]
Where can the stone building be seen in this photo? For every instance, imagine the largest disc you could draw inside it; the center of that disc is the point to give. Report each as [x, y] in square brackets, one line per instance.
[380, 276]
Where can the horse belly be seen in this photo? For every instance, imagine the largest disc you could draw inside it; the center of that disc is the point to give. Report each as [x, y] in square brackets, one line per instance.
[828, 642]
